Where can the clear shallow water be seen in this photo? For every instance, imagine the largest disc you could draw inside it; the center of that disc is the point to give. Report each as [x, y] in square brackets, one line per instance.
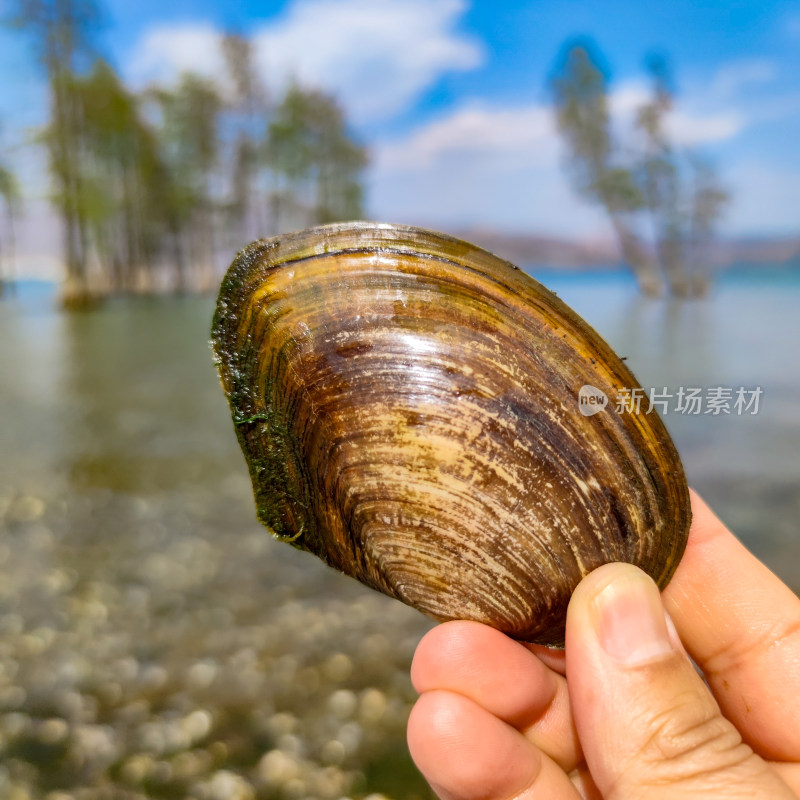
[155, 642]
[125, 399]
[138, 587]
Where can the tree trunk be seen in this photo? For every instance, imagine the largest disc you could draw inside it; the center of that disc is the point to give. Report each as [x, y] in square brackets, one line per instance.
[671, 253]
[638, 259]
[75, 293]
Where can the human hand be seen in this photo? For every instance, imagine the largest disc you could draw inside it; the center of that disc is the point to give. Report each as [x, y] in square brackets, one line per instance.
[497, 719]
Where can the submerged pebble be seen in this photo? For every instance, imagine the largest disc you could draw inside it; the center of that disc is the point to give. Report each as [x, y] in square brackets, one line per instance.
[246, 684]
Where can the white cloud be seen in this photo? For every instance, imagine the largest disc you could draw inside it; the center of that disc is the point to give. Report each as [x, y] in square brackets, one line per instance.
[462, 192]
[525, 135]
[628, 98]
[480, 166]
[376, 56]
[688, 129]
[167, 50]
[684, 126]
[503, 167]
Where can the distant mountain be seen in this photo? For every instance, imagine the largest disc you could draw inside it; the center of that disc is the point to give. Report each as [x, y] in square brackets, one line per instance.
[757, 251]
[545, 251]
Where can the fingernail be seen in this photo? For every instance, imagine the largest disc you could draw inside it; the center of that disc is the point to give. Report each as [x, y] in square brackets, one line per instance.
[629, 619]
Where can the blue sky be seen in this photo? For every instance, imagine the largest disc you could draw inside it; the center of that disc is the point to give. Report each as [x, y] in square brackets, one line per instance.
[450, 95]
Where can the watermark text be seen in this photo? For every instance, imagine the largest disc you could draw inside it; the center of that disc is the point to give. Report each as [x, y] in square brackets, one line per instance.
[687, 400]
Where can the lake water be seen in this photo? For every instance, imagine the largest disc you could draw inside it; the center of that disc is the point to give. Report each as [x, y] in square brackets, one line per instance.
[139, 590]
[125, 398]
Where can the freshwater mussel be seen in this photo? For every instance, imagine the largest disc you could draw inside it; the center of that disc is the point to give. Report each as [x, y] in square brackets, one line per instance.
[407, 404]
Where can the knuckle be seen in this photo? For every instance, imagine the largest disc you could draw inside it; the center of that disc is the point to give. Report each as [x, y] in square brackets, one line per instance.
[691, 744]
[710, 745]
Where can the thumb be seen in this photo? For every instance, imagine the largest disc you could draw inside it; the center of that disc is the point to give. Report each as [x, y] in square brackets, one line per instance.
[648, 724]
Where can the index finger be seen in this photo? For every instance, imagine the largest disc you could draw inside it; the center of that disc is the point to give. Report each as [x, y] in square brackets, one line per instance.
[741, 625]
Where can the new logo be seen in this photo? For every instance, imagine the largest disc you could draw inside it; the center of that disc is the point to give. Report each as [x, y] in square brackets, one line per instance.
[591, 400]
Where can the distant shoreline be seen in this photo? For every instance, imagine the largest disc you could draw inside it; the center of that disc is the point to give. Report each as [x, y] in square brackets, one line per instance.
[757, 272]
[535, 253]
[556, 254]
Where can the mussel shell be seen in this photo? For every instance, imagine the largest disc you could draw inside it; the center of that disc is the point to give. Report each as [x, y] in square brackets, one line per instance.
[407, 404]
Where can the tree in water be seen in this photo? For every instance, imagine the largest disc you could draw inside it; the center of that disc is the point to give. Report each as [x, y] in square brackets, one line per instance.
[316, 163]
[125, 197]
[680, 193]
[246, 121]
[62, 32]
[580, 89]
[660, 178]
[709, 199]
[683, 195]
[142, 179]
[190, 137]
